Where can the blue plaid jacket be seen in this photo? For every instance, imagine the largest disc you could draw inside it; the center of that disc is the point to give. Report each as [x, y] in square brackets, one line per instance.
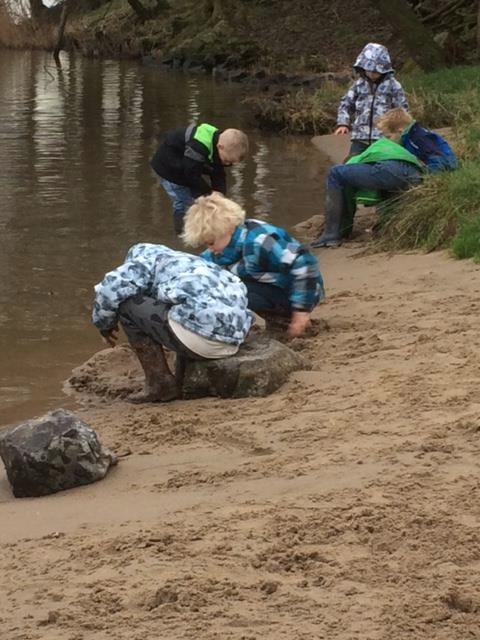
[263, 252]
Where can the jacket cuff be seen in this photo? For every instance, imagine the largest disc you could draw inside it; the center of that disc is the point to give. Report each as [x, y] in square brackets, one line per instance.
[302, 309]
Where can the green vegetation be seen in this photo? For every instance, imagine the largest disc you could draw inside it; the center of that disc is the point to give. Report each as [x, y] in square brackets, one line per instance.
[446, 98]
[299, 112]
[443, 212]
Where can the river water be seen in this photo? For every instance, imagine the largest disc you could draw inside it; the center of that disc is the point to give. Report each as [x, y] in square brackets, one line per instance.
[76, 191]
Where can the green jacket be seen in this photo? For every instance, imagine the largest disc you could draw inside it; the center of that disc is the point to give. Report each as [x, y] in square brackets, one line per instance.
[383, 149]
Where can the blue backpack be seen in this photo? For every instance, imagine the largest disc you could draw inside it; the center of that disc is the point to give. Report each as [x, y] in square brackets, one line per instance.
[430, 147]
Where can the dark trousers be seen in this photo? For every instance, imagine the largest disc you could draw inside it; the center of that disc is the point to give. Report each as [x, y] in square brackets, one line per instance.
[143, 317]
[358, 146]
[263, 297]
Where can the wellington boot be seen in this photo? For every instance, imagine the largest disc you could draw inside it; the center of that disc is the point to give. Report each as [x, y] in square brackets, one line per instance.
[160, 384]
[331, 236]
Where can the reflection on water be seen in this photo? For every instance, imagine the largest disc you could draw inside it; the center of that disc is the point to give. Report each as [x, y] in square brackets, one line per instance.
[77, 191]
[262, 193]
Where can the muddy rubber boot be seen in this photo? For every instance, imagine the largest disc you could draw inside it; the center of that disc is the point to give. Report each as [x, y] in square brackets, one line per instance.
[349, 210]
[331, 236]
[160, 384]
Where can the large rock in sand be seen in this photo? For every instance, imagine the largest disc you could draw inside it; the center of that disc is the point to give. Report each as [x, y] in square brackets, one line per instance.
[260, 367]
[55, 452]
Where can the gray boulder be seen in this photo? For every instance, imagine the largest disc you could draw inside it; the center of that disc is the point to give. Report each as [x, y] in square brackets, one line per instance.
[54, 452]
[259, 368]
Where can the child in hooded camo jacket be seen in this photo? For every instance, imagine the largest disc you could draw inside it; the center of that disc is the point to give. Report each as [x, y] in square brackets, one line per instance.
[375, 92]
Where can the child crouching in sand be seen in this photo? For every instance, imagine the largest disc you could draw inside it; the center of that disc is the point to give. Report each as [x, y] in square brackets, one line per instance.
[389, 166]
[282, 277]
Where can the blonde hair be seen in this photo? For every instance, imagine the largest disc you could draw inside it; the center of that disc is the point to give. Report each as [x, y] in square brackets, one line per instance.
[209, 218]
[235, 144]
[394, 121]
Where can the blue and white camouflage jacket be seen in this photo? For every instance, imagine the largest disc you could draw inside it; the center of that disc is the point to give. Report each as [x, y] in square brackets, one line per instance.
[263, 252]
[205, 299]
[365, 100]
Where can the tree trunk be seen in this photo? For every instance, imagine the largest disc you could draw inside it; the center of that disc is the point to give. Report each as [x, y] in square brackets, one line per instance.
[139, 9]
[37, 10]
[218, 10]
[407, 26]
[61, 29]
[215, 9]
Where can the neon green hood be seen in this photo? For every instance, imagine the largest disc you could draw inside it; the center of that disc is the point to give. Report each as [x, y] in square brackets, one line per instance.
[204, 134]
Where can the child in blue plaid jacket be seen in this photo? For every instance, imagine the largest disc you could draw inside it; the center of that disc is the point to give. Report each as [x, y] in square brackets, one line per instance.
[282, 277]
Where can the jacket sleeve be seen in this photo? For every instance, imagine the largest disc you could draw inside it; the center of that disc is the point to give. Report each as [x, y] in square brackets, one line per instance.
[194, 159]
[130, 279]
[219, 179]
[399, 99]
[346, 108]
[306, 282]
[265, 255]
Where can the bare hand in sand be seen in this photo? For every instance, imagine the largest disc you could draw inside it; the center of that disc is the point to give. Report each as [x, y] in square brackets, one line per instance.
[110, 337]
[299, 322]
[341, 131]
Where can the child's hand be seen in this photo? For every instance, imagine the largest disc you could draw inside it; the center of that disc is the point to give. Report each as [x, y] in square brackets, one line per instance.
[299, 322]
[341, 131]
[110, 336]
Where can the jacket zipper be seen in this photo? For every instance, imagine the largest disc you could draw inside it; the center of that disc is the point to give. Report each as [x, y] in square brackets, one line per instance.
[371, 115]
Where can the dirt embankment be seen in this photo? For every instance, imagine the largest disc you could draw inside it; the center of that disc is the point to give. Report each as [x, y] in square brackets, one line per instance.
[342, 507]
[276, 35]
[282, 52]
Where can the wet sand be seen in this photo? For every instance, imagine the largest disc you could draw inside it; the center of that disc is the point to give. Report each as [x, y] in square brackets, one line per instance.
[345, 506]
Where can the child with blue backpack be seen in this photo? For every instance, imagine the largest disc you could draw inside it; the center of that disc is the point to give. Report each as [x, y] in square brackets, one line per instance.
[390, 165]
[428, 146]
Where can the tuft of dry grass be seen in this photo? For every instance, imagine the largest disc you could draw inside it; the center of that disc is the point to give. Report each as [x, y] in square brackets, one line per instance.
[298, 111]
[17, 31]
[441, 212]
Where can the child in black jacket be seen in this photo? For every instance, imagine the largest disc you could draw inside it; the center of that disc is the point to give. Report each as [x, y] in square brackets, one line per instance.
[189, 154]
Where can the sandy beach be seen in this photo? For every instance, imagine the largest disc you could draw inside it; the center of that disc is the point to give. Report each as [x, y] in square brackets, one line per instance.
[345, 506]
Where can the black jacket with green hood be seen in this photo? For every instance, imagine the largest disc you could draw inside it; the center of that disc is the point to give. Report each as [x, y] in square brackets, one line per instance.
[188, 154]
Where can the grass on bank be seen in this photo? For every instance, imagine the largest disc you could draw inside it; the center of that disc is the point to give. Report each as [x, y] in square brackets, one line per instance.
[444, 211]
[442, 98]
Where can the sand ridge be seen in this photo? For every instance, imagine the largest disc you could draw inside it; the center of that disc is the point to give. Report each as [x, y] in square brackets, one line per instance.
[344, 506]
